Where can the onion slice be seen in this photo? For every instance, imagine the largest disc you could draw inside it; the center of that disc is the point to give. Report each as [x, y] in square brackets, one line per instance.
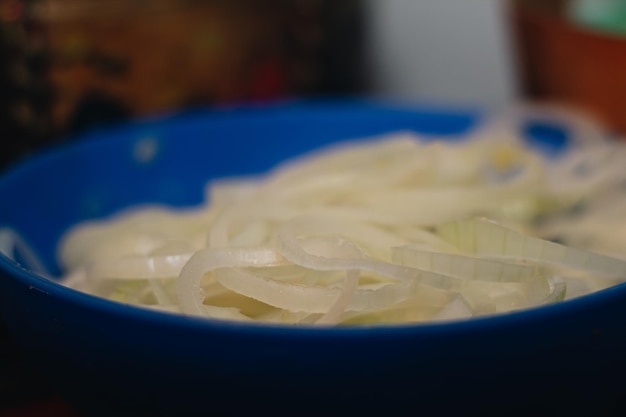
[465, 267]
[191, 295]
[488, 238]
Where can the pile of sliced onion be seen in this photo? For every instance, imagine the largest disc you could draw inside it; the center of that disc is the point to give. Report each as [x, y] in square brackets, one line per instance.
[382, 230]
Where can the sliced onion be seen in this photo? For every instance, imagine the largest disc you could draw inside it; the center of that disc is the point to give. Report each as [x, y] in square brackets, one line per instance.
[134, 267]
[333, 315]
[191, 296]
[315, 299]
[465, 267]
[456, 309]
[370, 232]
[487, 238]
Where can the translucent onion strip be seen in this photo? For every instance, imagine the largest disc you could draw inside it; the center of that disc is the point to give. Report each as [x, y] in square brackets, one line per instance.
[144, 267]
[487, 238]
[464, 266]
[191, 295]
[290, 247]
[333, 315]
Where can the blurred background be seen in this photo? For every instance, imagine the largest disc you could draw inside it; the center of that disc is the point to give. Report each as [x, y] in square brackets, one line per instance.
[69, 66]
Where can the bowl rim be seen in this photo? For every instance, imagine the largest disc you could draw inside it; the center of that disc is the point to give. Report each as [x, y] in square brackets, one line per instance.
[529, 316]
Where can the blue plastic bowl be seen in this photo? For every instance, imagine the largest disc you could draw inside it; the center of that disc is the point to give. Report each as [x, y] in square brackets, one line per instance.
[110, 359]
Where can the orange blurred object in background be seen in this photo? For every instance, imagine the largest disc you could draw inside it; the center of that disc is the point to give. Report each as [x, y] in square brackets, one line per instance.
[562, 63]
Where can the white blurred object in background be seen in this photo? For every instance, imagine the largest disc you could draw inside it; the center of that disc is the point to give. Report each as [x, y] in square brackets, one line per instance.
[442, 51]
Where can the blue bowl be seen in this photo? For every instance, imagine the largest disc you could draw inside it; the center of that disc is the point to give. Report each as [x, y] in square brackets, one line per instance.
[109, 359]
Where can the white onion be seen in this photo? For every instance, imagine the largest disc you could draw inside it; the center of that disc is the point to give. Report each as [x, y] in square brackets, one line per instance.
[386, 229]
